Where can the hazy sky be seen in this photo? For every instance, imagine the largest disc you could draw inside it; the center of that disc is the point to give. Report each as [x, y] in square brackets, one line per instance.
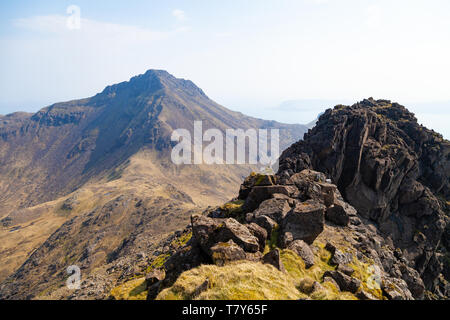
[247, 55]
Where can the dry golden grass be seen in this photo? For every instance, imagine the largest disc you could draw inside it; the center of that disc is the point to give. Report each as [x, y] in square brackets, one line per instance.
[254, 281]
[146, 175]
[131, 290]
[236, 281]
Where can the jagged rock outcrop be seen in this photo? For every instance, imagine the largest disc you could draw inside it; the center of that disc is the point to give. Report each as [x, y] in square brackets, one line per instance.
[345, 217]
[368, 173]
[244, 235]
[393, 171]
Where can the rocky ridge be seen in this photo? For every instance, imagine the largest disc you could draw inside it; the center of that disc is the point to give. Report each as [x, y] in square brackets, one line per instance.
[302, 219]
[356, 211]
[395, 172]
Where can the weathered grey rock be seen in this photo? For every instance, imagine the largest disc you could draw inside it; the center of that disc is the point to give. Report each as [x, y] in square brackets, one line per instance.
[363, 295]
[154, 276]
[413, 280]
[266, 223]
[208, 232]
[345, 282]
[286, 239]
[281, 196]
[253, 256]
[302, 249]
[258, 194]
[396, 289]
[305, 221]
[260, 233]
[274, 258]
[225, 252]
[330, 279]
[345, 269]
[341, 258]
[276, 209]
[340, 213]
[328, 192]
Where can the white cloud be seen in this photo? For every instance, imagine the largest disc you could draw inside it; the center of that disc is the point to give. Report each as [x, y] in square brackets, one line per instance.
[180, 15]
[57, 24]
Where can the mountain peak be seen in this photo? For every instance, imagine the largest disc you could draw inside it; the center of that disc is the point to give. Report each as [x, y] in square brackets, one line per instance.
[151, 81]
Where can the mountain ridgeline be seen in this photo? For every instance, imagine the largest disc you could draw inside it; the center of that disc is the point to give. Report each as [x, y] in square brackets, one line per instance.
[61, 147]
[359, 209]
[91, 183]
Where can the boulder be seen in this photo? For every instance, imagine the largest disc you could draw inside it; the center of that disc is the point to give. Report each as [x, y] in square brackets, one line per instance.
[260, 193]
[274, 258]
[258, 232]
[276, 209]
[285, 239]
[253, 256]
[204, 231]
[154, 276]
[345, 282]
[305, 221]
[331, 280]
[224, 252]
[208, 232]
[302, 249]
[345, 270]
[328, 193]
[340, 258]
[266, 223]
[396, 289]
[340, 213]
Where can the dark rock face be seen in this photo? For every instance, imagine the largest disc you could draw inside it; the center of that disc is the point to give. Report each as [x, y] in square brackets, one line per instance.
[345, 282]
[274, 258]
[393, 171]
[340, 213]
[305, 221]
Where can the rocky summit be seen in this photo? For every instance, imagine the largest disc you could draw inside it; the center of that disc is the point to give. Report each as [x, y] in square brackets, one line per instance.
[395, 172]
[358, 210]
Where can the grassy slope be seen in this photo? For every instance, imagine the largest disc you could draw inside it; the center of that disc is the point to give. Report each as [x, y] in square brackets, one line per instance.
[144, 176]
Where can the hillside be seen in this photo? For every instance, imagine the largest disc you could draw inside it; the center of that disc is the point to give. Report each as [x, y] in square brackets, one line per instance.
[88, 181]
[358, 210]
